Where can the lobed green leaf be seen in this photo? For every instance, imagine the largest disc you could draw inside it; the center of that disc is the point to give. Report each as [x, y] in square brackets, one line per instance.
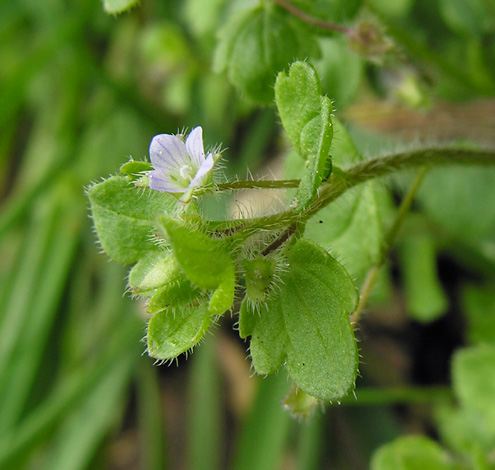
[124, 217]
[306, 325]
[306, 117]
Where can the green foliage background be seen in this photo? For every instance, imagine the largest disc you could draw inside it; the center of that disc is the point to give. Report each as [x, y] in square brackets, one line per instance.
[81, 90]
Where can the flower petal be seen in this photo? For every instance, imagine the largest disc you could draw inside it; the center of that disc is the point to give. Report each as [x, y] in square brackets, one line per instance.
[161, 182]
[194, 145]
[201, 175]
[167, 152]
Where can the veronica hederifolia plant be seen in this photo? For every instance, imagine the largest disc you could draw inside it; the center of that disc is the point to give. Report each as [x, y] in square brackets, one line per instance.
[294, 300]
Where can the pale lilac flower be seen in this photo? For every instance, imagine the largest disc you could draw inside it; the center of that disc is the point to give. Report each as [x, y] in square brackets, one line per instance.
[179, 167]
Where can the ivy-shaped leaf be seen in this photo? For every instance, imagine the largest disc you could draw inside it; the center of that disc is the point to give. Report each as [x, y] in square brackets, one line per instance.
[257, 44]
[207, 262]
[124, 217]
[172, 332]
[305, 324]
[306, 117]
[118, 6]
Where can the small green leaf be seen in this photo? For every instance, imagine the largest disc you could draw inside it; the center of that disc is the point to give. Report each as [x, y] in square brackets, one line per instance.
[159, 276]
[172, 332]
[306, 322]
[299, 102]
[473, 375]
[223, 297]
[206, 262]
[318, 297]
[118, 6]
[124, 217]
[259, 275]
[306, 117]
[154, 270]
[257, 44]
[269, 338]
[411, 453]
[247, 318]
[173, 295]
[135, 170]
[299, 403]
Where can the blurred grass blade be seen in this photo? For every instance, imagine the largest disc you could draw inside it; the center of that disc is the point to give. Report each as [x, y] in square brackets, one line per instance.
[204, 419]
[150, 417]
[310, 440]
[262, 440]
[39, 314]
[83, 430]
[69, 392]
[16, 311]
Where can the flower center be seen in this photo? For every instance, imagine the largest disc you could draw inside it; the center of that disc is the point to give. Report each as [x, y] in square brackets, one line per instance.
[186, 173]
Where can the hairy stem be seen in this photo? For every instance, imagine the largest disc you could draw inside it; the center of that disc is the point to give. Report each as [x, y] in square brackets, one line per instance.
[309, 19]
[387, 244]
[260, 184]
[340, 182]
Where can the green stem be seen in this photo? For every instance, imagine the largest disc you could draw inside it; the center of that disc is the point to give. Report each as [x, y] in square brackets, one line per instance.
[339, 183]
[260, 184]
[377, 396]
[388, 241]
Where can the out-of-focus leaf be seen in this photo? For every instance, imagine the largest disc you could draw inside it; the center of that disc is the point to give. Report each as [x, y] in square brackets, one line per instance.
[479, 305]
[333, 11]
[118, 6]
[411, 453]
[340, 70]
[425, 298]
[465, 431]
[473, 375]
[257, 44]
[456, 198]
[467, 16]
